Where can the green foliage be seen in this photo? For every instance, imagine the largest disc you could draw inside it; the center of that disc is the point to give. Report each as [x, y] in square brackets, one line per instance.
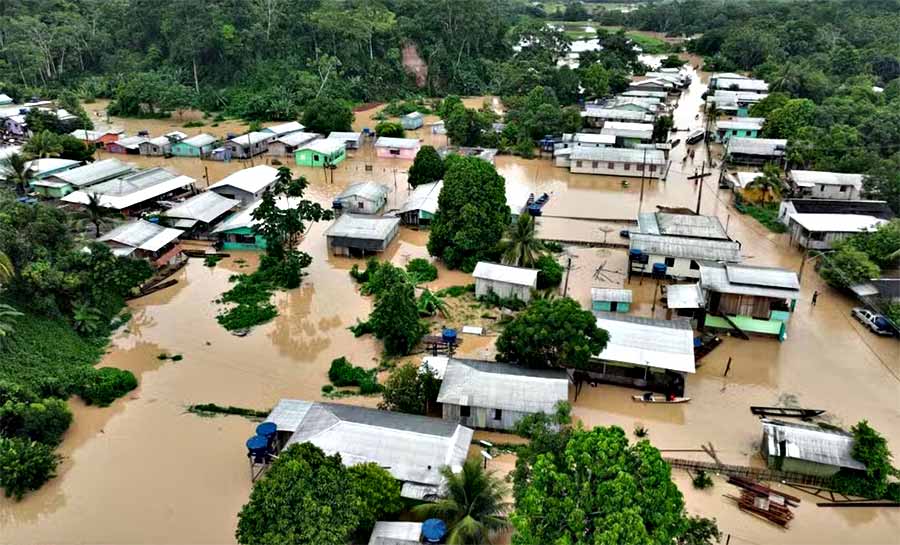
[472, 214]
[209, 409]
[325, 115]
[75, 149]
[520, 246]
[381, 276]
[426, 168]
[640, 431]
[410, 389]
[701, 480]
[212, 260]
[395, 319]
[400, 108]
[361, 328]
[672, 61]
[193, 124]
[43, 144]
[466, 126]
[25, 466]
[882, 245]
[430, 304]
[8, 317]
[550, 272]
[105, 385]
[149, 94]
[344, 373]
[308, 498]
[546, 434]
[766, 214]
[552, 333]
[700, 531]
[491, 299]
[847, 266]
[422, 270]
[455, 291]
[251, 296]
[787, 120]
[539, 114]
[389, 129]
[870, 448]
[43, 421]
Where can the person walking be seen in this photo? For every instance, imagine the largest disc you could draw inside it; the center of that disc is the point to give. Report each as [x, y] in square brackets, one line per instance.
[815, 297]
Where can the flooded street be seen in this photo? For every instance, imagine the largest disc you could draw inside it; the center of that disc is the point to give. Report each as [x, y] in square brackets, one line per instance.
[145, 471]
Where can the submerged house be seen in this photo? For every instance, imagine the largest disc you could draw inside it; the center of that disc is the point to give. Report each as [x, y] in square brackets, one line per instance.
[412, 448]
[505, 281]
[352, 140]
[130, 145]
[562, 150]
[249, 145]
[355, 236]
[746, 127]
[319, 153]
[422, 204]
[807, 449]
[99, 138]
[649, 163]
[489, 395]
[815, 184]
[198, 213]
[822, 231]
[284, 129]
[246, 185]
[749, 299]
[628, 134]
[755, 151]
[145, 240]
[161, 145]
[285, 146]
[195, 146]
[643, 353]
[361, 198]
[597, 117]
[737, 82]
[60, 184]
[877, 209]
[610, 300]
[135, 191]
[412, 121]
[237, 231]
[397, 148]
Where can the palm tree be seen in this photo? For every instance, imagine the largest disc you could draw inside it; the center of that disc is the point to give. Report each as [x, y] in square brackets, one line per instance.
[15, 169]
[520, 246]
[44, 144]
[95, 213]
[6, 269]
[474, 507]
[7, 316]
[768, 184]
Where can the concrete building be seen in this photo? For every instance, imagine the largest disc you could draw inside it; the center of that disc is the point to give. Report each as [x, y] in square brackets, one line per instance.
[814, 184]
[246, 185]
[361, 198]
[807, 449]
[357, 236]
[60, 184]
[610, 300]
[489, 395]
[250, 144]
[641, 163]
[422, 204]
[412, 448]
[507, 282]
[145, 240]
[745, 127]
[822, 231]
[755, 151]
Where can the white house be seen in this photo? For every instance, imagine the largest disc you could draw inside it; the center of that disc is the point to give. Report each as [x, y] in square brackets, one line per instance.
[246, 185]
[135, 190]
[507, 282]
[362, 198]
[648, 163]
[821, 231]
[352, 140]
[284, 128]
[250, 144]
[825, 185]
[285, 146]
[352, 235]
[755, 151]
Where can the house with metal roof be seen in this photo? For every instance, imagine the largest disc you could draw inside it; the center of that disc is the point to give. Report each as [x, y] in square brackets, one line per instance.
[681, 256]
[749, 299]
[649, 163]
[597, 117]
[743, 127]
[5, 100]
[283, 129]
[246, 185]
[737, 82]
[562, 149]
[610, 300]
[134, 191]
[397, 148]
[60, 184]
[421, 205]
[355, 236]
[250, 144]
[412, 448]
[814, 184]
[505, 281]
[48, 166]
[807, 449]
[145, 240]
[681, 225]
[412, 121]
[628, 134]
[130, 145]
[654, 84]
[736, 103]
[321, 153]
[285, 146]
[99, 137]
[644, 353]
[198, 213]
[490, 395]
[161, 145]
[200, 145]
[877, 209]
[755, 151]
[352, 140]
[684, 300]
[822, 231]
[396, 533]
[361, 198]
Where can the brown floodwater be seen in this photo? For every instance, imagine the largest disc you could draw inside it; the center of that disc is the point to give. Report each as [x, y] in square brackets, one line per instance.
[145, 471]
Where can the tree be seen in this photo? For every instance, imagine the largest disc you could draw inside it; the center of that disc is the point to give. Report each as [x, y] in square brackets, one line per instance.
[43, 144]
[881, 245]
[871, 449]
[552, 333]
[472, 213]
[546, 433]
[395, 319]
[787, 120]
[520, 246]
[600, 489]
[672, 61]
[95, 213]
[75, 149]
[769, 104]
[410, 389]
[883, 183]
[595, 80]
[550, 272]
[428, 167]
[473, 509]
[379, 492]
[768, 186]
[467, 127]
[847, 266]
[44, 421]
[661, 127]
[25, 465]
[17, 171]
[308, 498]
[325, 115]
[389, 129]
[8, 317]
[6, 269]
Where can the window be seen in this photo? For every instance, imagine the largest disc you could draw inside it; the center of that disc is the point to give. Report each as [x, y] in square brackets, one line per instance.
[627, 166]
[844, 188]
[595, 164]
[578, 164]
[360, 205]
[694, 266]
[670, 262]
[395, 152]
[316, 157]
[465, 411]
[498, 414]
[640, 167]
[244, 239]
[610, 165]
[817, 235]
[652, 168]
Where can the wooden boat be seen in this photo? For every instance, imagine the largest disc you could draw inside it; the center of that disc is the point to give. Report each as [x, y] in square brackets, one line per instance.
[786, 412]
[651, 398]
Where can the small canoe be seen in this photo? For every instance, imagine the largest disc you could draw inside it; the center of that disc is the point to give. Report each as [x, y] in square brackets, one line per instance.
[659, 399]
[786, 412]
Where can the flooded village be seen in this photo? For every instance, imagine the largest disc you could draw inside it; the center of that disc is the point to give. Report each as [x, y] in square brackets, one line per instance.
[664, 259]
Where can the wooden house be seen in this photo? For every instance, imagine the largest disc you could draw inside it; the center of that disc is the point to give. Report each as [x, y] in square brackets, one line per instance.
[41, 169]
[746, 127]
[397, 148]
[320, 153]
[505, 281]
[99, 138]
[130, 145]
[814, 184]
[628, 134]
[135, 192]
[284, 129]
[610, 300]
[144, 240]
[195, 146]
[246, 185]
[361, 198]
[598, 117]
[422, 204]
[352, 140]
[807, 449]
[60, 184]
[755, 151]
[285, 146]
[249, 145]
[496, 396]
[822, 231]
[197, 214]
[161, 145]
[357, 236]
[737, 82]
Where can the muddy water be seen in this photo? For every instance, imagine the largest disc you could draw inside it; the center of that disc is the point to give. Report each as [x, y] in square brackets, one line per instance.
[143, 471]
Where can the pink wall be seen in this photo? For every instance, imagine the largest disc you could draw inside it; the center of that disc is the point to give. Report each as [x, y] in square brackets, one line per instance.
[404, 153]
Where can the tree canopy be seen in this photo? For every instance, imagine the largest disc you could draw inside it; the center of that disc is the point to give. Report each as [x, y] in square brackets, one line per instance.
[426, 168]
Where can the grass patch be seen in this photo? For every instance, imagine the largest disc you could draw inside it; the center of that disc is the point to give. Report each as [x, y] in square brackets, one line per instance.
[211, 409]
[650, 44]
[455, 291]
[251, 296]
[766, 214]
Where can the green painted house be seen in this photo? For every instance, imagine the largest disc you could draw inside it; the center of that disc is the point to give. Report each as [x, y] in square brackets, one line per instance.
[236, 232]
[808, 449]
[195, 146]
[746, 127]
[610, 300]
[321, 153]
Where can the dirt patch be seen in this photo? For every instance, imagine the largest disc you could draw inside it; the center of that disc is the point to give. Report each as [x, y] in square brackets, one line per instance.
[415, 64]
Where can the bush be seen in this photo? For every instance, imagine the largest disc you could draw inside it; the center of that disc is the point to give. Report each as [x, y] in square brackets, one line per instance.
[550, 272]
[344, 373]
[25, 465]
[250, 294]
[42, 421]
[409, 390]
[389, 129]
[702, 480]
[422, 269]
[494, 300]
[553, 246]
[360, 329]
[193, 124]
[105, 385]
[455, 291]
[327, 388]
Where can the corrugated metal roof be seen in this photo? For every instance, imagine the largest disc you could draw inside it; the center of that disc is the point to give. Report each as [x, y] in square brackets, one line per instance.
[345, 136]
[495, 272]
[297, 139]
[205, 207]
[739, 96]
[201, 140]
[121, 193]
[252, 180]
[284, 128]
[362, 227]
[837, 223]
[251, 138]
[49, 164]
[491, 385]
[662, 95]
[412, 448]
[424, 197]
[413, 116]
[742, 179]
[396, 533]
[141, 234]
[769, 147]
[878, 209]
[762, 276]
[131, 142]
[662, 344]
[686, 248]
[809, 178]
[644, 131]
[612, 113]
[684, 296]
[681, 225]
[743, 123]
[590, 138]
[613, 295]
[244, 218]
[753, 281]
[810, 443]
[401, 143]
[735, 81]
[325, 146]
[618, 155]
[96, 172]
[368, 190]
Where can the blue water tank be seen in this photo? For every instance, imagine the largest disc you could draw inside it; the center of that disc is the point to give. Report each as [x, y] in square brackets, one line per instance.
[449, 336]
[534, 209]
[659, 270]
[267, 430]
[258, 449]
[434, 530]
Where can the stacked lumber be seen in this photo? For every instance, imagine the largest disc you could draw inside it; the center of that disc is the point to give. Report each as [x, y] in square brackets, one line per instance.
[764, 502]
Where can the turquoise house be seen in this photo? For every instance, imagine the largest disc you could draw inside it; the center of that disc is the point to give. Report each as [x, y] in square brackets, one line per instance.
[610, 300]
[318, 153]
[746, 127]
[195, 146]
[236, 232]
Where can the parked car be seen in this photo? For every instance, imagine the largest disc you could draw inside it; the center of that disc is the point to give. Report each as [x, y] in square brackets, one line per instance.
[695, 136]
[874, 321]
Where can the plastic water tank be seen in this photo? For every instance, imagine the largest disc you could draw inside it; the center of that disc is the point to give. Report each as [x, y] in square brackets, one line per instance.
[434, 530]
[449, 336]
[267, 430]
[659, 270]
[634, 254]
[258, 449]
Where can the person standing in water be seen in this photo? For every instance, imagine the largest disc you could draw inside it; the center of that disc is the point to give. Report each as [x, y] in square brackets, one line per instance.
[815, 297]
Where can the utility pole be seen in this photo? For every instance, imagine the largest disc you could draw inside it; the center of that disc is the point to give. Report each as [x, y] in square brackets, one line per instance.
[700, 192]
[568, 269]
[643, 169]
[250, 149]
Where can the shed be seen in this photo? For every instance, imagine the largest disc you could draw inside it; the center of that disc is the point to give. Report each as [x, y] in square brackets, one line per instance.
[484, 394]
[505, 281]
[822, 231]
[412, 448]
[60, 184]
[352, 235]
[396, 533]
[352, 140]
[397, 148]
[134, 190]
[200, 211]
[286, 145]
[826, 185]
[362, 198]
[319, 153]
[246, 185]
[807, 449]
[145, 240]
[610, 300]
[284, 129]
[130, 145]
[250, 144]
[422, 204]
[412, 121]
[195, 146]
